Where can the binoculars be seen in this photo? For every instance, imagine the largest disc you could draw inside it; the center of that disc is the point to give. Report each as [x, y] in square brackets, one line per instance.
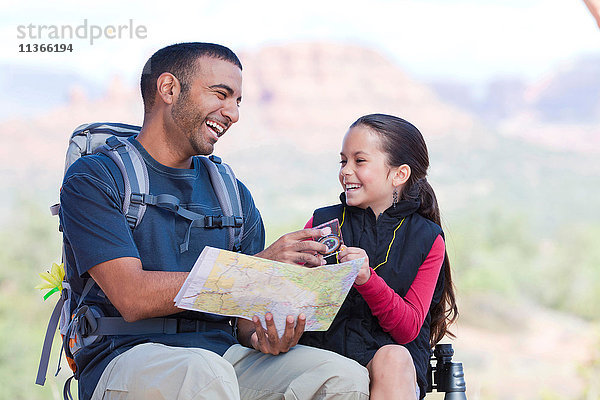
[445, 375]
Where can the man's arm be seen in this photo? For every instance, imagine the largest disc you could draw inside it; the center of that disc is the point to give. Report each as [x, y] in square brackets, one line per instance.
[139, 294]
[136, 293]
[103, 246]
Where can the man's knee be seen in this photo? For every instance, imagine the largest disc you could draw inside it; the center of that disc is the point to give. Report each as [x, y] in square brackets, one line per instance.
[303, 373]
[343, 375]
[196, 362]
[194, 373]
[156, 371]
[351, 372]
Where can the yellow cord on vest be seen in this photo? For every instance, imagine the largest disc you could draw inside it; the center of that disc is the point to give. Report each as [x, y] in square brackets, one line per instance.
[342, 224]
[390, 246]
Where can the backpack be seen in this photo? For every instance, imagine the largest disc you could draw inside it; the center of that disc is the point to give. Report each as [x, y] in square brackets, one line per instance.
[84, 325]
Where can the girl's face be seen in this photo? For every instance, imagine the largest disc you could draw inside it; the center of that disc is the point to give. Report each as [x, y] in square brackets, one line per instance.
[366, 178]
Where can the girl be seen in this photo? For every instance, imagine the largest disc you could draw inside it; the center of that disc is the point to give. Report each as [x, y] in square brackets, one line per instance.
[403, 299]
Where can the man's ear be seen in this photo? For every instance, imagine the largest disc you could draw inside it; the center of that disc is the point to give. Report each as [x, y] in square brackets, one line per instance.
[401, 175]
[167, 87]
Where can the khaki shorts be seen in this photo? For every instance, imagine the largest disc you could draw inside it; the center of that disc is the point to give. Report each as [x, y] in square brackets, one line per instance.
[155, 371]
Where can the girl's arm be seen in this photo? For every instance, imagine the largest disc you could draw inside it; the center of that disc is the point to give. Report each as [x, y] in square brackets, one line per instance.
[402, 317]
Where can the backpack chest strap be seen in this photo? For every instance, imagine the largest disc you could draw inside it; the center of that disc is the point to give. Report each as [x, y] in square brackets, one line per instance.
[172, 203]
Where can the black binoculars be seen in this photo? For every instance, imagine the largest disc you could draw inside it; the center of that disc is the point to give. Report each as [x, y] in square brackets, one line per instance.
[446, 376]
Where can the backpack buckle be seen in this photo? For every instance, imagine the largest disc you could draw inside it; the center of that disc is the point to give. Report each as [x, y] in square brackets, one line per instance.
[137, 198]
[238, 221]
[87, 322]
[213, 221]
[231, 221]
[114, 143]
[131, 221]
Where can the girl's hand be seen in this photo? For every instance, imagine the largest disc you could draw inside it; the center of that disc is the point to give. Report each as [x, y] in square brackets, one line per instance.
[353, 253]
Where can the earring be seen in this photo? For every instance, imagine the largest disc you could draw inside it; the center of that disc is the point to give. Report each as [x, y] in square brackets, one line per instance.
[394, 198]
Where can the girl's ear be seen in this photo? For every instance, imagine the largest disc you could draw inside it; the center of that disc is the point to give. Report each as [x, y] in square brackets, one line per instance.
[401, 175]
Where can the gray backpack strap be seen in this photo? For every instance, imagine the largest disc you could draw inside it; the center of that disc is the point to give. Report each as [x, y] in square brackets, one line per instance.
[86, 138]
[135, 176]
[47, 346]
[172, 204]
[51, 329]
[225, 185]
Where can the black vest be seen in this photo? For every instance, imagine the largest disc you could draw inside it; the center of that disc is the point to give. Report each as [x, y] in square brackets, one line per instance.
[355, 332]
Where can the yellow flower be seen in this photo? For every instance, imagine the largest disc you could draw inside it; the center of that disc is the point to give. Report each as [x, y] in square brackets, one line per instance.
[53, 279]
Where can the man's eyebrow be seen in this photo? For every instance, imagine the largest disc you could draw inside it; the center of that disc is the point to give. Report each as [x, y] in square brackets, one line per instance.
[222, 86]
[228, 89]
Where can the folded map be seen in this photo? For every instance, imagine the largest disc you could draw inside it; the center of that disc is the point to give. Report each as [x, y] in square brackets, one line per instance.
[233, 284]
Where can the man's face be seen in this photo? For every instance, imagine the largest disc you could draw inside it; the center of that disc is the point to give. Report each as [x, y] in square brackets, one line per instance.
[209, 105]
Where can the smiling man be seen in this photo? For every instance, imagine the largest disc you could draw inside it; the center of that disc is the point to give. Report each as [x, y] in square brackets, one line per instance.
[191, 94]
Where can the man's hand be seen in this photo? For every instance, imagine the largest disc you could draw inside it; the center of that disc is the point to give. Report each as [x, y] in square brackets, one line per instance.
[252, 334]
[353, 253]
[298, 248]
[268, 341]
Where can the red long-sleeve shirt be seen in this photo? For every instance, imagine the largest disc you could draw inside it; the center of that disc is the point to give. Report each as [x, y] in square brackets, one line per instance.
[402, 317]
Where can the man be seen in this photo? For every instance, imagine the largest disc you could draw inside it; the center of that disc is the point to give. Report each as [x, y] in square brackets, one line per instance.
[191, 95]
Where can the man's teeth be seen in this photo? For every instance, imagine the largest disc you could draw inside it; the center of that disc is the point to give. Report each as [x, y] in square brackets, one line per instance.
[216, 127]
[352, 186]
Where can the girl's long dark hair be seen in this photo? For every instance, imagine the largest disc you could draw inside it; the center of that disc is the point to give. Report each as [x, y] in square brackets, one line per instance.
[403, 144]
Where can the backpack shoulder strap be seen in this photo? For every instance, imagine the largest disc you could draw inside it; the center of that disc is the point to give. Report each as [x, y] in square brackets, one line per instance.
[225, 185]
[135, 176]
[86, 139]
[47, 346]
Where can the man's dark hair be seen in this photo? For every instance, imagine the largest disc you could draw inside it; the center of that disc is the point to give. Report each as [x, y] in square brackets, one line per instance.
[180, 60]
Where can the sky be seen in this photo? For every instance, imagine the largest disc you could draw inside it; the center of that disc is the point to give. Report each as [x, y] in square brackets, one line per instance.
[464, 40]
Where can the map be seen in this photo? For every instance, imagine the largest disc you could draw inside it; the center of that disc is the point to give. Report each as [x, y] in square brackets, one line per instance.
[237, 285]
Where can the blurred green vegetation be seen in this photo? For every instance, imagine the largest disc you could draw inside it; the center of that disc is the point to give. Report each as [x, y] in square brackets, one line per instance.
[590, 372]
[497, 251]
[30, 243]
[493, 251]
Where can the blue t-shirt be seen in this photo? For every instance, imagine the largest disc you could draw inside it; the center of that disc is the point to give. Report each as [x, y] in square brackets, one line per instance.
[95, 230]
